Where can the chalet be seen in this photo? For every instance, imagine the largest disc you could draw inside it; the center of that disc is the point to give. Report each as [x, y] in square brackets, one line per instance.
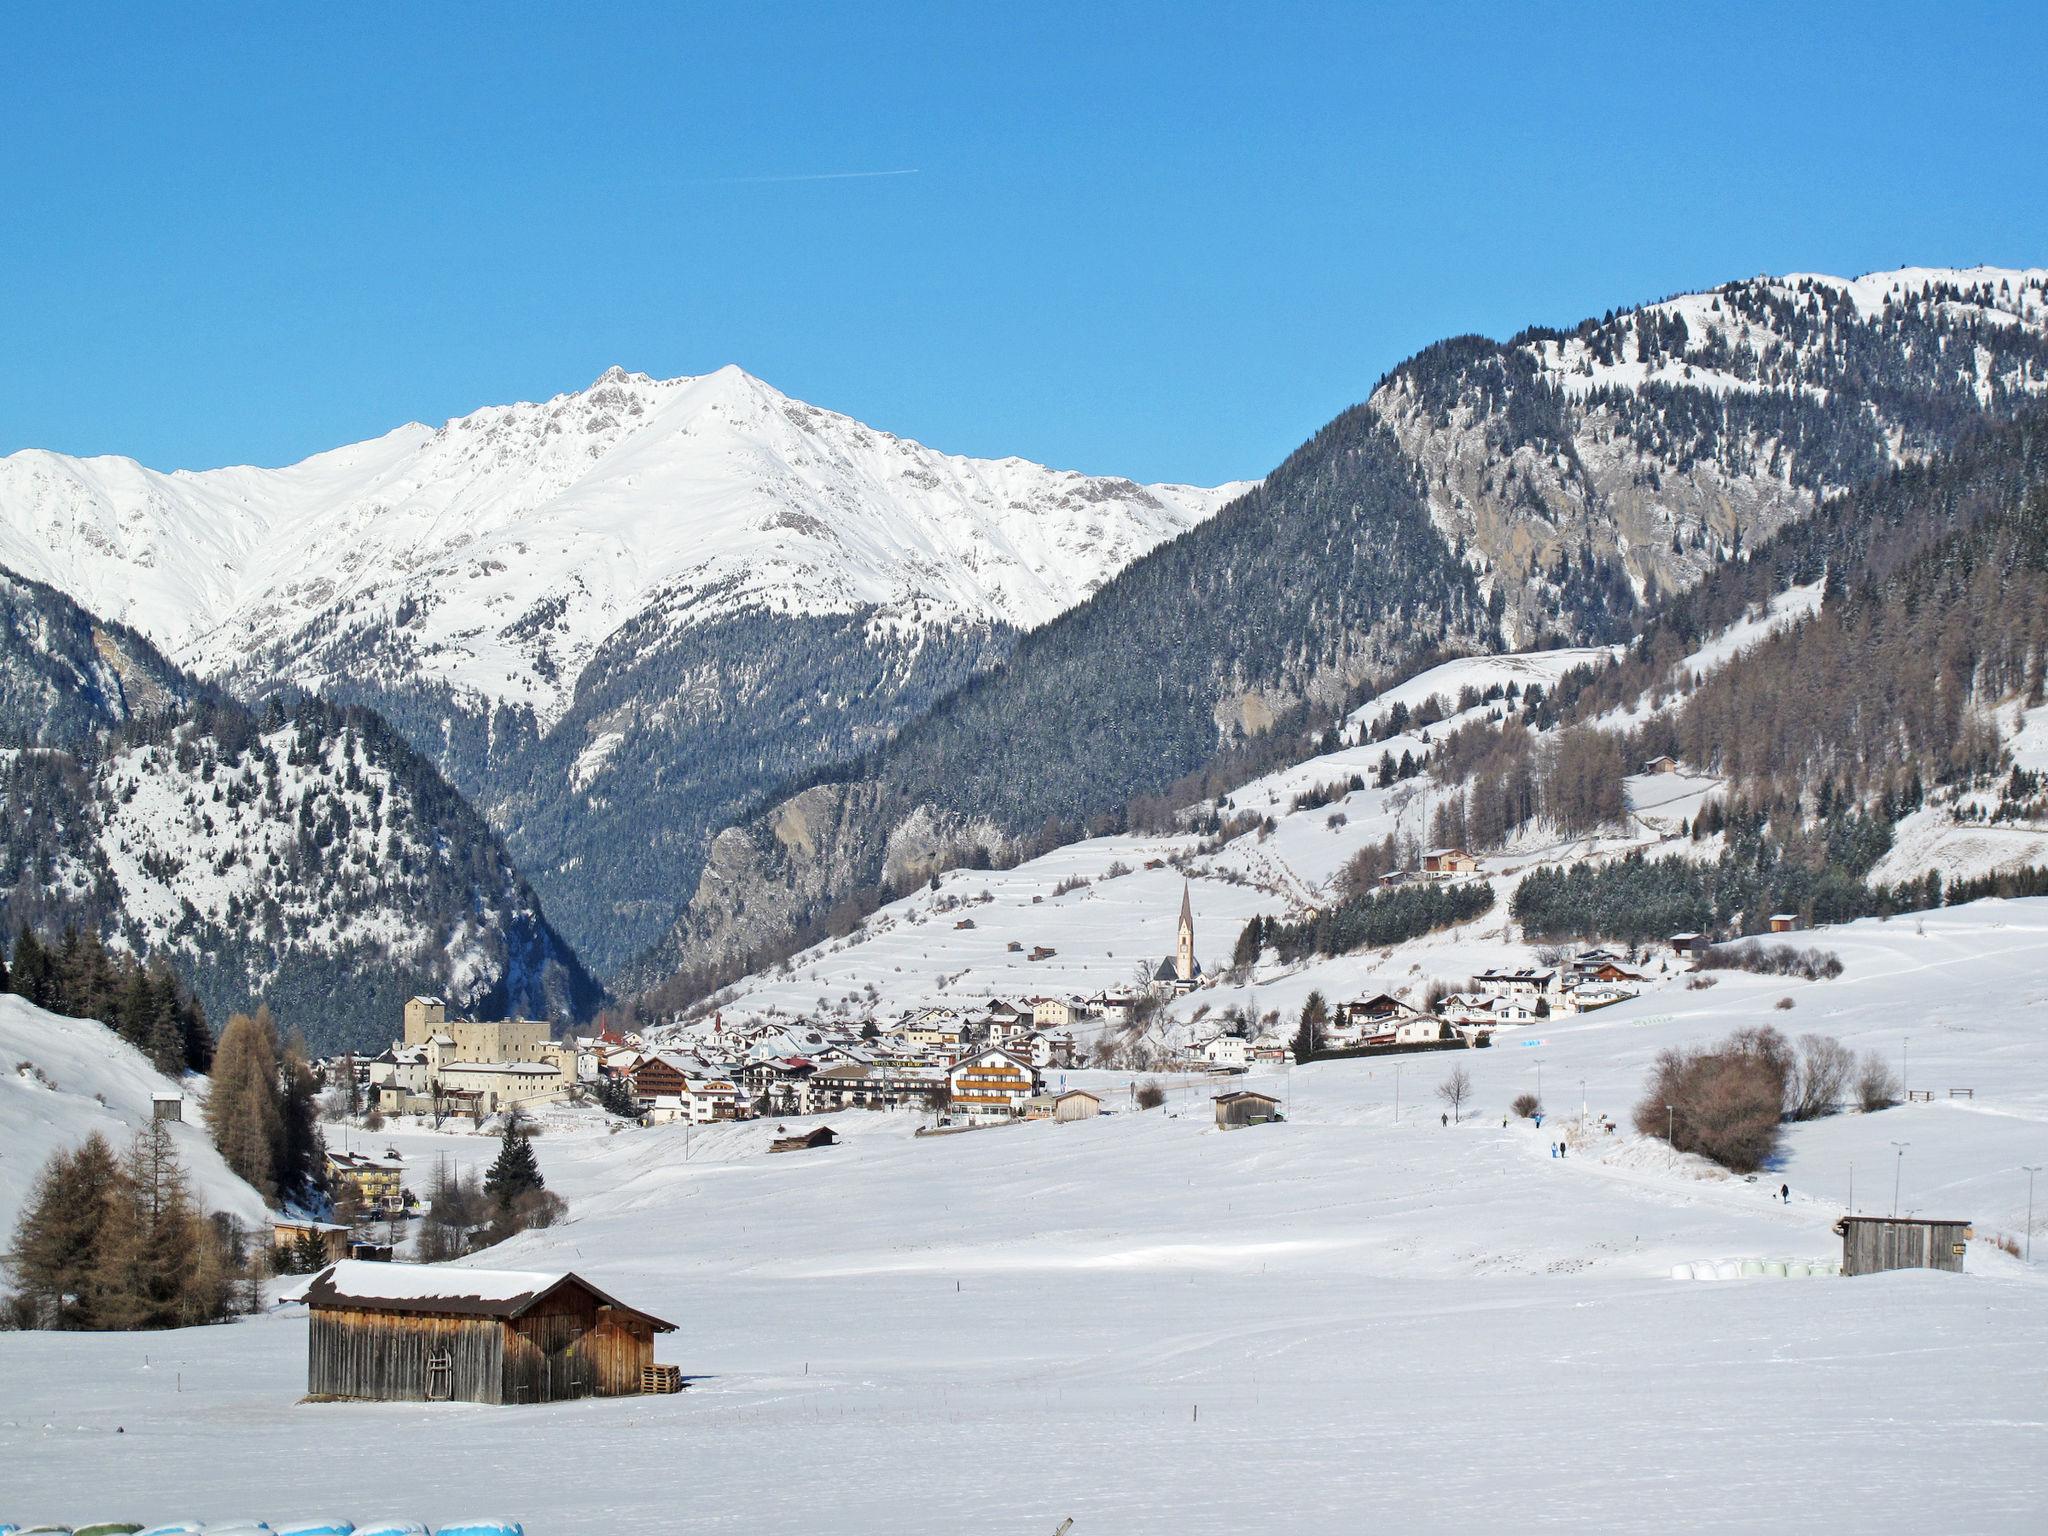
[1053, 1012]
[1470, 1007]
[1113, 1007]
[820, 1136]
[665, 1074]
[1227, 1052]
[990, 1084]
[1447, 862]
[1526, 986]
[1041, 952]
[1421, 1030]
[377, 1182]
[1074, 1104]
[934, 1029]
[1244, 1108]
[1611, 974]
[1690, 945]
[1374, 1013]
[167, 1106]
[863, 1087]
[418, 1333]
[1267, 1046]
[1784, 922]
[1054, 1048]
[289, 1233]
[1664, 764]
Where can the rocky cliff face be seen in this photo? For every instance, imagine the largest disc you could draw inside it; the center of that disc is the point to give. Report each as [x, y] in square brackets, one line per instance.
[1645, 448]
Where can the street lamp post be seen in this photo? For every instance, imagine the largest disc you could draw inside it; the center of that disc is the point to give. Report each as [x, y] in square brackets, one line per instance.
[2032, 1169]
[1898, 1168]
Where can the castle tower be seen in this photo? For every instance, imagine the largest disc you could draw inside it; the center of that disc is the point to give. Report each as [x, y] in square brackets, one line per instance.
[1184, 948]
[424, 1017]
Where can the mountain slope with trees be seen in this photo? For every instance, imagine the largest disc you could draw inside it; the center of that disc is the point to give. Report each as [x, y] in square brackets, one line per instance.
[1563, 487]
[303, 856]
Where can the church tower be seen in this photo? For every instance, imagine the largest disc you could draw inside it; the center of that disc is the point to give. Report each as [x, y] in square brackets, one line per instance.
[1184, 949]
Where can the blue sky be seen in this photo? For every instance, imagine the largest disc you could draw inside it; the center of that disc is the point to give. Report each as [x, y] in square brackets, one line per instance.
[1160, 241]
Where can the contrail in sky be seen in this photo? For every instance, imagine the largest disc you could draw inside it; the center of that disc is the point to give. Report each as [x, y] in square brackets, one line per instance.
[739, 181]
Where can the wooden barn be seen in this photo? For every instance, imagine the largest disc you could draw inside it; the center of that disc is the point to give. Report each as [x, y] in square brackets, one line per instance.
[823, 1136]
[429, 1333]
[1242, 1108]
[1872, 1244]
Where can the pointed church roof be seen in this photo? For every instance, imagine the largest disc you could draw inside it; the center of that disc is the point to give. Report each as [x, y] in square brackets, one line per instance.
[1187, 911]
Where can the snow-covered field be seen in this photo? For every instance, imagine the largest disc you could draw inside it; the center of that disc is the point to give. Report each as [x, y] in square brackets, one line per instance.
[1338, 1323]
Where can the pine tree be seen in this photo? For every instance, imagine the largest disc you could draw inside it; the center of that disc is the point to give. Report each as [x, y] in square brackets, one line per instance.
[302, 1160]
[516, 1171]
[244, 1112]
[31, 977]
[1315, 1017]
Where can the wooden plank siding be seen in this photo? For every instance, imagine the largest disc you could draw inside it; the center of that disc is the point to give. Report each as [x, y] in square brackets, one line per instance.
[384, 1355]
[511, 1337]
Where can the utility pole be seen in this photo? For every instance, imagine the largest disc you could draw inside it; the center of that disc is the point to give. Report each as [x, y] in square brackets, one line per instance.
[1898, 1168]
[1670, 1127]
[1905, 1075]
[1397, 1093]
[2032, 1169]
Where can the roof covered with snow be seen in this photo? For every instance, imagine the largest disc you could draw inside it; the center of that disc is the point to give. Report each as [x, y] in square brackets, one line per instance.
[442, 1290]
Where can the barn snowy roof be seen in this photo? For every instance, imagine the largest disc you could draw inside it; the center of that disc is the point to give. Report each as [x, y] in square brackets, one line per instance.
[444, 1290]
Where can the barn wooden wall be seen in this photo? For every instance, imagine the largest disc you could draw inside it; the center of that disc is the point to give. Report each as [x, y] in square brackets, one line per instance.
[383, 1355]
[1871, 1247]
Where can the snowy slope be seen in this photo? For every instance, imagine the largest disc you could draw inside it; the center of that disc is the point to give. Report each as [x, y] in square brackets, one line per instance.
[65, 1078]
[1150, 1326]
[495, 553]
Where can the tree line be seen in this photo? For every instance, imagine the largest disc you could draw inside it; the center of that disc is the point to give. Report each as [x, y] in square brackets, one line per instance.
[144, 1002]
[1371, 921]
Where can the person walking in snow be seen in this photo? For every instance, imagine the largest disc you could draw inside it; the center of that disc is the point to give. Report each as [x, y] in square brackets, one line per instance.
[1445, 1120]
[1785, 1193]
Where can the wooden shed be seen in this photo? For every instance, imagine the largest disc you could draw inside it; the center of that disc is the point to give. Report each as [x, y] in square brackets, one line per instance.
[822, 1136]
[1245, 1108]
[428, 1333]
[1872, 1244]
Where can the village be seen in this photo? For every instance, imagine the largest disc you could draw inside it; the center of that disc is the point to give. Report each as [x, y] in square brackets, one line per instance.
[971, 1065]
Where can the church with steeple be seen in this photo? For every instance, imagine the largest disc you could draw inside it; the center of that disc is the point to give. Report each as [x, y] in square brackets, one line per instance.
[1180, 971]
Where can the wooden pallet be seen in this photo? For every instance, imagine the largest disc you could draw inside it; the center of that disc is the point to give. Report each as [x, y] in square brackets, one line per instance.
[661, 1378]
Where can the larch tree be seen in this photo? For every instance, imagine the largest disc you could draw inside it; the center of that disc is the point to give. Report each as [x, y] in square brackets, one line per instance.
[244, 1113]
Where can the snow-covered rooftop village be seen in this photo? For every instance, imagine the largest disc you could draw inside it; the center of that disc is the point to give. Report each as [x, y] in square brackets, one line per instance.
[1047, 771]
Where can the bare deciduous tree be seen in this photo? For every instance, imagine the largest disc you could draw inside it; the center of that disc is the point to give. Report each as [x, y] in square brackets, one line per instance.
[1825, 1068]
[1455, 1091]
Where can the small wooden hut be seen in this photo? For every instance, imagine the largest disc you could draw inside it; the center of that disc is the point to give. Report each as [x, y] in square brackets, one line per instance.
[412, 1333]
[1872, 1244]
[822, 1136]
[1243, 1108]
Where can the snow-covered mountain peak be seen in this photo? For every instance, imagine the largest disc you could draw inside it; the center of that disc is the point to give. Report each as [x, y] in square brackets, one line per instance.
[495, 552]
